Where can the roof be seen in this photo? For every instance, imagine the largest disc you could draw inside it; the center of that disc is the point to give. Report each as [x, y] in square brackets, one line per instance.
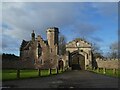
[25, 45]
[83, 43]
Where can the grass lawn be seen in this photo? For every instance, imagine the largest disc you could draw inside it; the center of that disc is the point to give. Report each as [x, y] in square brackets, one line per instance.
[109, 72]
[28, 73]
[9, 74]
[12, 74]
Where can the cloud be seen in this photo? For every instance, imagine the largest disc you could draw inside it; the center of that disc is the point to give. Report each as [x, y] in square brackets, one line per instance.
[9, 42]
[60, 1]
[19, 19]
[97, 39]
[23, 17]
[107, 9]
[84, 29]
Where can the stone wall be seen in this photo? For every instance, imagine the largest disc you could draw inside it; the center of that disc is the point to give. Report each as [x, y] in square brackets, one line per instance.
[107, 63]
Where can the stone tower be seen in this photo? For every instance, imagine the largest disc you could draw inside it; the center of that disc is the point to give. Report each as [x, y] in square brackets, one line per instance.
[52, 37]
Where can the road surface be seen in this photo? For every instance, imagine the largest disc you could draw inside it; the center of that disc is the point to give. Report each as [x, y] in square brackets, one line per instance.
[69, 79]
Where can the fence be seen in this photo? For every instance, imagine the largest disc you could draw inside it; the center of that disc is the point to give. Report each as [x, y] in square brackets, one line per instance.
[28, 73]
[110, 72]
[57, 71]
[104, 70]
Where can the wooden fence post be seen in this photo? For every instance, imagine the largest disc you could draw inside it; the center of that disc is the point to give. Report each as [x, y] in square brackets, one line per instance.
[114, 71]
[18, 73]
[104, 70]
[57, 70]
[50, 71]
[97, 69]
[62, 69]
[39, 72]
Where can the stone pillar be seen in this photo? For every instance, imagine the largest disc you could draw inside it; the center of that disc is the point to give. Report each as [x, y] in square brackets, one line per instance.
[98, 70]
[39, 72]
[90, 58]
[85, 61]
[50, 71]
[114, 71]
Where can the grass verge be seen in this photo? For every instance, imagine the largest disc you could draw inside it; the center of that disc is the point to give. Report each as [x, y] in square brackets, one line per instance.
[109, 72]
[12, 74]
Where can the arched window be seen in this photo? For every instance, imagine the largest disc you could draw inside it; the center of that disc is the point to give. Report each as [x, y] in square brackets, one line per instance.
[39, 50]
[41, 61]
[87, 56]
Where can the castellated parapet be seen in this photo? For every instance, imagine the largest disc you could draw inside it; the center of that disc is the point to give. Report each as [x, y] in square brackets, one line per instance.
[107, 63]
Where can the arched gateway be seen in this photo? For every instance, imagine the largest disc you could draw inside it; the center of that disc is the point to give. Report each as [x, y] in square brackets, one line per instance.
[80, 55]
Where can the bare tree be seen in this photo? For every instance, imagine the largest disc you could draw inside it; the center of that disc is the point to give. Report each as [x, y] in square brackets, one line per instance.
[114, 50]
[62, 45]
[97, 53]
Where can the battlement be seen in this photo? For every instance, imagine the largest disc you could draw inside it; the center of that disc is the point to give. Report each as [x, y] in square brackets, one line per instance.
[43, 42]
[107, 59]
[52, 29]
[83, 43]
[107, 63]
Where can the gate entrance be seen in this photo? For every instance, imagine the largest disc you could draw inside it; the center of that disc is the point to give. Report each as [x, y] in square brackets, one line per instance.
[77, 61]
[79, 54]
[60, 64]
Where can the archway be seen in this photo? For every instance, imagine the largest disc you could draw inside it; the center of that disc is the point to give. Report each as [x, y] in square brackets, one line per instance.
[79, 50]
[77, 61]
[60, 64]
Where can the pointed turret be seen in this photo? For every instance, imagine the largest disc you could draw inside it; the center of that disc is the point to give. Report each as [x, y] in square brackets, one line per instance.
[33, 36]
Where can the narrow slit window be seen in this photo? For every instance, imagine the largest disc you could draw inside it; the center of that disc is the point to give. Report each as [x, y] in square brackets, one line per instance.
[87, 56]
[41, 61]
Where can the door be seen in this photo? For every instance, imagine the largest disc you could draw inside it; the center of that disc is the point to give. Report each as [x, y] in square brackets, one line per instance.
[78, 62]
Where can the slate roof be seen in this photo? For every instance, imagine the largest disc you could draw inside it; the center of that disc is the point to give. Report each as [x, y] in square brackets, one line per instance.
[25, 45]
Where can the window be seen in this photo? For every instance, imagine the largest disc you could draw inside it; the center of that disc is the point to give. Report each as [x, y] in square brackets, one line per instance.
[39, 50]
[41, 61]
[87, 56]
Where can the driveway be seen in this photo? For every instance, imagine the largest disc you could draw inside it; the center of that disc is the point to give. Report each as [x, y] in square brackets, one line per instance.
[69, 79]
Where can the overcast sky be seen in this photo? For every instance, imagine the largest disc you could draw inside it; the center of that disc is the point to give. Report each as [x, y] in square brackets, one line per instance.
[97, 22]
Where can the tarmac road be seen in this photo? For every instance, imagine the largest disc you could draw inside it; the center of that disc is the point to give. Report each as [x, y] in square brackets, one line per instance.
[69, 79]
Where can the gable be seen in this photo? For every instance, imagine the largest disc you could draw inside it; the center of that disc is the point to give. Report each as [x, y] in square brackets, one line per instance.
[82, 43]
[25, 45]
